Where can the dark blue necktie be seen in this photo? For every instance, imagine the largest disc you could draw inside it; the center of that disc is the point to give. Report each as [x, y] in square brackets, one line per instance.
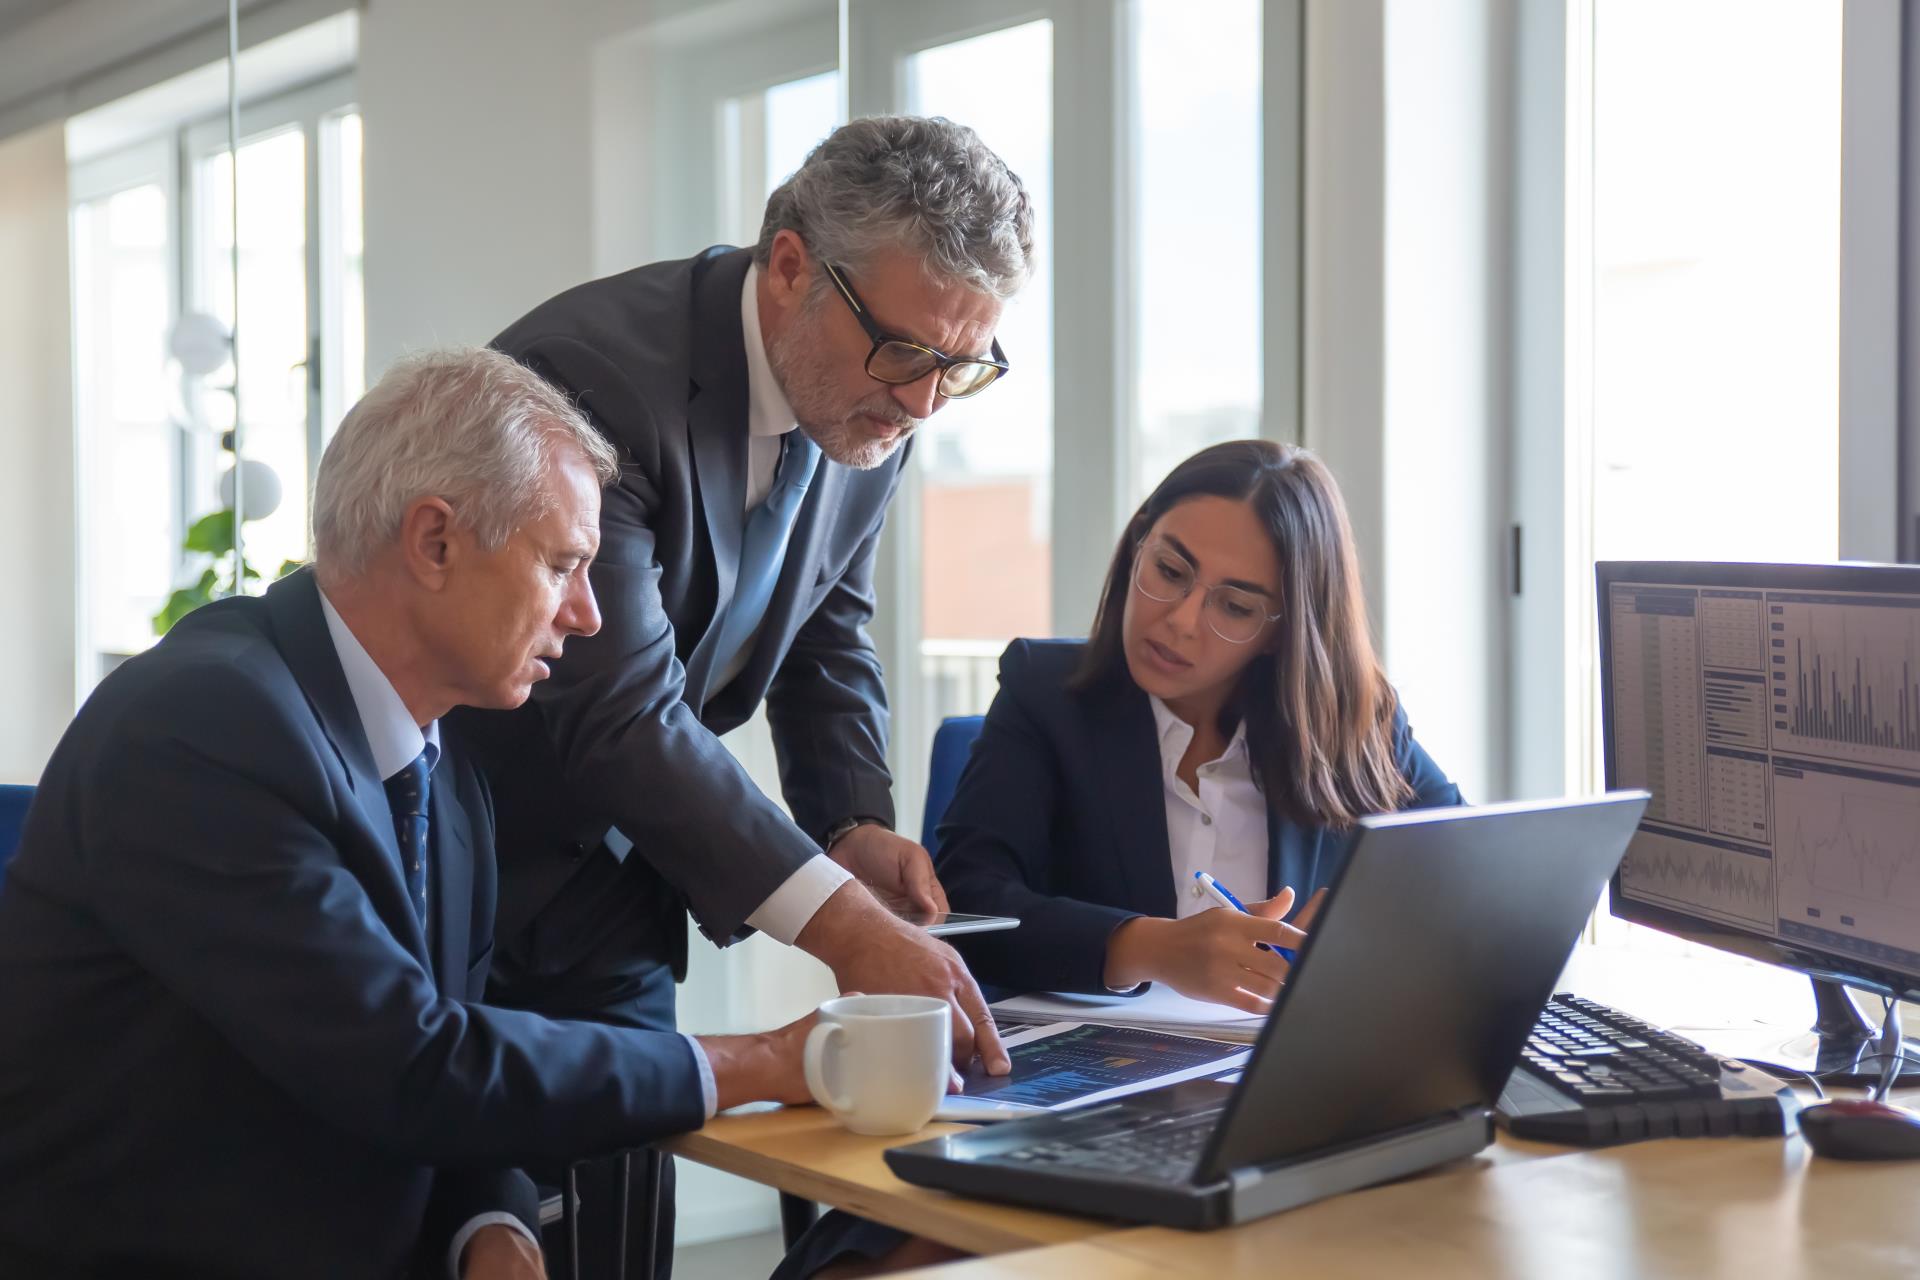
[407, 797]
[763, 547]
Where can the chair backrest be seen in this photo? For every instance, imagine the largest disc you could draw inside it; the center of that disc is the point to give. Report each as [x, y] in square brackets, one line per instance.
[13, 816]
[951, 743]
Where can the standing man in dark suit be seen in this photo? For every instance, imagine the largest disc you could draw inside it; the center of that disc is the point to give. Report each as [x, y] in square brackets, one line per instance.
[244, 938]
[761, 401]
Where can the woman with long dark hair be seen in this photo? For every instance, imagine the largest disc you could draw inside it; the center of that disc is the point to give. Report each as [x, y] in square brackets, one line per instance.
[1227, 715]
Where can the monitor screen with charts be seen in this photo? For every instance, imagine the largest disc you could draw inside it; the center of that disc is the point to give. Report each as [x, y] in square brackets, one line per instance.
[1774, 713]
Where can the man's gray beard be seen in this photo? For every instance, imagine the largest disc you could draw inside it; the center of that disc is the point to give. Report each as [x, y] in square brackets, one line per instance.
[846, 445]
[809, 393]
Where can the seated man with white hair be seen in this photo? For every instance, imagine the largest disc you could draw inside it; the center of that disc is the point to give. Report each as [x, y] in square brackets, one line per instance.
[244, 939]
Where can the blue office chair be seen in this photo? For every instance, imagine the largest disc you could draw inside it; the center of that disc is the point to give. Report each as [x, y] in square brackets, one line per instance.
[951, 744]
[13, 816]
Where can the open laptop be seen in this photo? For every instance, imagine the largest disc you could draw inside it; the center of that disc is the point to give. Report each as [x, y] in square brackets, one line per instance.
[1438, 946]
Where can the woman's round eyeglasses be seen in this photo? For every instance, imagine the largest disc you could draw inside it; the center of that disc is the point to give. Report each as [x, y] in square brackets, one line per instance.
[1162, 574]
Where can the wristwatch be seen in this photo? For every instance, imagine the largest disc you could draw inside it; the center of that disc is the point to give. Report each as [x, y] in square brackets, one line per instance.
[845, 825]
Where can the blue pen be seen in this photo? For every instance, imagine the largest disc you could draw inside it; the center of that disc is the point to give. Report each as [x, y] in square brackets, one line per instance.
[1224, 896]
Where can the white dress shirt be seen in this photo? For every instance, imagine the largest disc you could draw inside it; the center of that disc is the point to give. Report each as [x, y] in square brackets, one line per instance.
[788, 909]
[769, 417]
[1221, 829]
[395, 739]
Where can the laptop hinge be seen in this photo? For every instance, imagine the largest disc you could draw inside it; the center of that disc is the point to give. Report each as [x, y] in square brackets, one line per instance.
[1255, 1191]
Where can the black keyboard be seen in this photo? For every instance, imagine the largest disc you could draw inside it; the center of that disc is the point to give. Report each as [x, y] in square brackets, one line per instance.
[1594, 1076]
[1162, 1149]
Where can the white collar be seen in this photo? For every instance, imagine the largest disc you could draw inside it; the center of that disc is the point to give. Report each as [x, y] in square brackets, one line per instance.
[768, 413]
[391, 733]
[1175, 734]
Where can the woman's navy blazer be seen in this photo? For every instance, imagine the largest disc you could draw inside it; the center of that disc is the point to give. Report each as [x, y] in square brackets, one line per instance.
[1060, 819]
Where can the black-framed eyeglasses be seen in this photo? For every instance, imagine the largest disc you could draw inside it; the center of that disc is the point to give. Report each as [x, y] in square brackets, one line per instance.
[897, 361]
[1162, 574]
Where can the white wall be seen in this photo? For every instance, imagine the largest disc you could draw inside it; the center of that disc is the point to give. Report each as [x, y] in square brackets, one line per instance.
[479, 163]
[36, 454]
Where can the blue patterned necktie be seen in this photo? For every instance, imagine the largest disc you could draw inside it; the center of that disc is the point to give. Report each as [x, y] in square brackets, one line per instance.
[763, 547]
[407, 797]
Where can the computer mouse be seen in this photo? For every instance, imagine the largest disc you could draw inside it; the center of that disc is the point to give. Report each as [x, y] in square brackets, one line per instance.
[1854, 1129]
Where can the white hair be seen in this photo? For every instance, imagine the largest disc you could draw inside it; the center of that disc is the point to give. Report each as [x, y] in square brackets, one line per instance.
[922, 184]
[466, 424]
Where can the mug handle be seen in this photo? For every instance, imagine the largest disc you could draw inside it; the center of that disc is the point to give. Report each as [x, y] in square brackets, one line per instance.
[813, 1060]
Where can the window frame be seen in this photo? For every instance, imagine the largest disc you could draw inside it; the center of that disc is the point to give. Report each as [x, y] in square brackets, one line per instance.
[306, 109]
[171, 158]
[1092, 320]
[152, 162]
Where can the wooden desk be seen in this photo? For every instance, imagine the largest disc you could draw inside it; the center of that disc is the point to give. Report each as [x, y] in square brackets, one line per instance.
[1747, 1208]
[1751, 1209]
[805, 1151]
[1738, 1209]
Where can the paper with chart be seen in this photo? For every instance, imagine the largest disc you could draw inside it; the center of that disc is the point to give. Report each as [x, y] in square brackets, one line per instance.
[1779, 732]
[1074, 1064]
[1158, 1006]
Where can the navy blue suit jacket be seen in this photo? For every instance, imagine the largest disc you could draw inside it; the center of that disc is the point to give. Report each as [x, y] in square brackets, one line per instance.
[229, 1049]
[1060, 819]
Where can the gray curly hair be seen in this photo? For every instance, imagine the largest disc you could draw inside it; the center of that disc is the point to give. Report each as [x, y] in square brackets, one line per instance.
[923, 184]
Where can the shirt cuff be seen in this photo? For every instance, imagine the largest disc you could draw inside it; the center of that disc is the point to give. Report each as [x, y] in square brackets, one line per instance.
[788, 909]
[460, 1238]
[709, 1092]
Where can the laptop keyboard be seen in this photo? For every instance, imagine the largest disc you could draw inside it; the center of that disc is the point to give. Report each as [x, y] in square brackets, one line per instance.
[1163, 1149]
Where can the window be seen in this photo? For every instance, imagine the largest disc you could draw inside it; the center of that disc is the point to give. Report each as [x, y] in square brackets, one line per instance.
[152, 227]
[1715, 252]
[764, 136]
[986, 464]
[128, 472]
[1716, 280]
[1197, 229]
[273, 334]
[1006, 522]
[343, 275]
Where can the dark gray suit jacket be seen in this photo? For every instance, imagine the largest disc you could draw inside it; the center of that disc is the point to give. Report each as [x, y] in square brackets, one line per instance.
[625, 733]
[228, 1048]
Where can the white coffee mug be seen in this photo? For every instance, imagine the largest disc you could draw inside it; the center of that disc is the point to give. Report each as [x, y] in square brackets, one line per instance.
[880, 1063]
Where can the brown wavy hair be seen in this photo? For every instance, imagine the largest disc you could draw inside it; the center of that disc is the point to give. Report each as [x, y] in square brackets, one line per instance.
[1318, 709]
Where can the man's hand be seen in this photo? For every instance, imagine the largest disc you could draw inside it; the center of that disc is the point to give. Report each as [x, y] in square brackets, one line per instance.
[871, 949]
[1212, 956]
[760, 1068]
[769, 1067]
[498, 1252]
[893, 866]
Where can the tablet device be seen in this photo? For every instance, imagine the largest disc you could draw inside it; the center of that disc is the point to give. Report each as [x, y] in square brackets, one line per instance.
[943, 924]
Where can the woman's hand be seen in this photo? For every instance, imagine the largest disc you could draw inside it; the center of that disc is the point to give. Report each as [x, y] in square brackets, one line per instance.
[1215, 955]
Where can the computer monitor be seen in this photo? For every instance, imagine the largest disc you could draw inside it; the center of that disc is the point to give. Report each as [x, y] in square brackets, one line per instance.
[1773, 710]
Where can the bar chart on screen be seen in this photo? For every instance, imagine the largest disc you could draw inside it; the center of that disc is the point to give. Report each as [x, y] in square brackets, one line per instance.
[1846, 677]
